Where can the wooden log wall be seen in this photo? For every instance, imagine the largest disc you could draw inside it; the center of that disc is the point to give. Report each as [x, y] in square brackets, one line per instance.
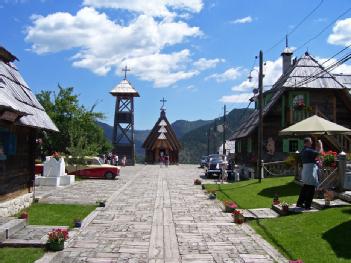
[17, 171]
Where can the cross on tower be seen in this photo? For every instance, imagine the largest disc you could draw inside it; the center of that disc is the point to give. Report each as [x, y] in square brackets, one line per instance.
[125, 69]
[163, 103]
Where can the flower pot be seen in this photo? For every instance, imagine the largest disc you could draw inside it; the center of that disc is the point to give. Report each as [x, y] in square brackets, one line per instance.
[239, 220]
[212, 196]
[77, 224]
[285, 209]
[55, 246]
[24, 215]
[102, 204]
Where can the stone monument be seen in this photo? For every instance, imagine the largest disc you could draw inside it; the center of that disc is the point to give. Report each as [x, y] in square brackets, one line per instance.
[54, 173]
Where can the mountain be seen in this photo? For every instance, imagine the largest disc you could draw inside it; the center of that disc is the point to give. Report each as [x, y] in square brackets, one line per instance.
[191, 134]
[182, 127]
[194, 143]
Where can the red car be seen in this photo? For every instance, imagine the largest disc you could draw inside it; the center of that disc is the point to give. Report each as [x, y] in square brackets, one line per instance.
[92, 168]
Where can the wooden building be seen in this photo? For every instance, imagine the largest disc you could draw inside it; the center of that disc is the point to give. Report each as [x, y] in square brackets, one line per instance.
[295, 96]
[21, 116]
[162, 141]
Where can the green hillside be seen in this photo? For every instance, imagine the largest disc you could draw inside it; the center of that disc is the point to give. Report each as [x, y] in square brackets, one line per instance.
[194, 143]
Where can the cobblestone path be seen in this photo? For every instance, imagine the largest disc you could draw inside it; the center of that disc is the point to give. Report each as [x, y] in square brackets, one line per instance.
[157, 215]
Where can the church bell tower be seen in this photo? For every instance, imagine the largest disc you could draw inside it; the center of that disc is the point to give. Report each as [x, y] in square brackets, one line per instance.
[123, 128]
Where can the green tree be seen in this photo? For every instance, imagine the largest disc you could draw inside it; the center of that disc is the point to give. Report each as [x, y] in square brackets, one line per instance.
[79, 134]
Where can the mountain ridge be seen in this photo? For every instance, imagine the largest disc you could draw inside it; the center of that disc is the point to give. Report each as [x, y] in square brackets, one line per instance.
[191, 134]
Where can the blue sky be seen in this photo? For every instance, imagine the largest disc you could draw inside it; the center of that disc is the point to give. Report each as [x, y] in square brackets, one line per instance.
[195, 53]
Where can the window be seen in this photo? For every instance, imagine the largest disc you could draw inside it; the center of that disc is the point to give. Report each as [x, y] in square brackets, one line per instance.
[238, 145]
[293, 145]
[249, 145]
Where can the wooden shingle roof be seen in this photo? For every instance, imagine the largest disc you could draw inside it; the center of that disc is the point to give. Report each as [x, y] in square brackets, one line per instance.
[170, 136]
[294, 78]
[16, 96]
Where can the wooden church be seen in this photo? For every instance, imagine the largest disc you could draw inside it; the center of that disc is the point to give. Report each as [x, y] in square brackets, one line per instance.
[162, 141]
[294, 97]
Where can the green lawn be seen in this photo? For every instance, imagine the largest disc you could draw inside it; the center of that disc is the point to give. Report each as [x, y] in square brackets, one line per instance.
[57, 214]
[20, 255]
[323, 236]
[252, 194]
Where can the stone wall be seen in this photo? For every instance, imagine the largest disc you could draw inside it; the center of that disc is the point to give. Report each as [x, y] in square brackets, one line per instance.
[13, 206]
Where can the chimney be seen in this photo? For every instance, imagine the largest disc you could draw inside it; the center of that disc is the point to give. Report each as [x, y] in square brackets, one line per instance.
[286, 56]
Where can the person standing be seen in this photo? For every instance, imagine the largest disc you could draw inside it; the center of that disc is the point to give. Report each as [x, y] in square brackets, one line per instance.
[309, 174]
[124, 160]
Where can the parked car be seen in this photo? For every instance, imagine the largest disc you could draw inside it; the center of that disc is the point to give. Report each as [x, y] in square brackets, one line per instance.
[93, 168]
[203, 161]
[213, 167]
[39, 168]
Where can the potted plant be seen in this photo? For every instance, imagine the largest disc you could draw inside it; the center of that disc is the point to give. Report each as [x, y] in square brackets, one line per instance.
[212, 194]
[238, 217]
[285, 208]
[296, 261]
[197, 182]
[24, 215]
[229, 206]
[101, 203]
[56, 239]
[329, 159]
[328, 196]
[77, 223]
[276, 199]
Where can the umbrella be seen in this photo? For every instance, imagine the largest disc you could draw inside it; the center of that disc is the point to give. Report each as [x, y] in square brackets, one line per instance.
[315, 125]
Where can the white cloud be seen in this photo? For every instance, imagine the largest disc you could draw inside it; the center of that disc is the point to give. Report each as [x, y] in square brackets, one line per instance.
[192, 88]
[163, 69]
[237, 98]
[341, 33]
[154, 8]
[203, 63]
[244, 20]
[229, 74]
[243, 91]
[104, 44]
[343, 68]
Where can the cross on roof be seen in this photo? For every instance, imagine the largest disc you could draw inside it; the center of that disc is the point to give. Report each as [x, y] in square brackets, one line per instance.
[125, 69]
[163, 103]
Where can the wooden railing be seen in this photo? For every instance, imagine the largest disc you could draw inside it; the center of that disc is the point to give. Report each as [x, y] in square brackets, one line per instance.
[277, 168]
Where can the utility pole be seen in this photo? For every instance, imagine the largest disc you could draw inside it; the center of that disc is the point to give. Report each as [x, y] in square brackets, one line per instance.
[208, 140]
[224, 124]
[260, 118]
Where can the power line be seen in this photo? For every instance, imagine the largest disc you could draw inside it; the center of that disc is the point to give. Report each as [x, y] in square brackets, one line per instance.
[296, 27]
[322, 71]
[323, 30]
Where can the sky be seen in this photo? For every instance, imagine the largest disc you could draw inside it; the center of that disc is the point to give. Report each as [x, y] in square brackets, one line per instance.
[197, 54]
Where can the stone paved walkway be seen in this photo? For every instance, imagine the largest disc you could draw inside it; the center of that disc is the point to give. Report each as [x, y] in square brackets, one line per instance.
[157, 215]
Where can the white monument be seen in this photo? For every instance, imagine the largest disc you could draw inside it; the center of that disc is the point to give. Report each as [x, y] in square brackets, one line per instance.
[54, 173]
